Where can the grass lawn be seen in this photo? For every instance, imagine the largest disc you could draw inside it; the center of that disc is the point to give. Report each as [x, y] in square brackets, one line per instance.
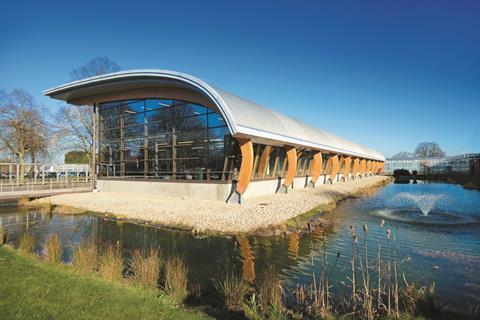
[30, 289]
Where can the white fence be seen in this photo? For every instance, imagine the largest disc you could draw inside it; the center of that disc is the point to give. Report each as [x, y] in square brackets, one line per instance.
[43, 177]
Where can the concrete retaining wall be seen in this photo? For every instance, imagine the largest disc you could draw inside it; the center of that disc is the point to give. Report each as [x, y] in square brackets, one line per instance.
[206, 191]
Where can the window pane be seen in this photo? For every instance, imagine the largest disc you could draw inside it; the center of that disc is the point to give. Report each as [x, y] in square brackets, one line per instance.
[152, 104]
[134, 106]
[185, 109]
[215, 120]
[134, 131]
[133, 149]
[217, 134]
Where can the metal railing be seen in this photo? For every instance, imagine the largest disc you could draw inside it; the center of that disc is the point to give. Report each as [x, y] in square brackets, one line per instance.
[32, 185]
[42, 177]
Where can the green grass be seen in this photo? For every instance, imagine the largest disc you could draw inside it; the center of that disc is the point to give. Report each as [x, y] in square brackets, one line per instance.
[30, 289]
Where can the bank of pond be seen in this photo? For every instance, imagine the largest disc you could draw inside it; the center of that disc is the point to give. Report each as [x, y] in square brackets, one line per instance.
[401, 251]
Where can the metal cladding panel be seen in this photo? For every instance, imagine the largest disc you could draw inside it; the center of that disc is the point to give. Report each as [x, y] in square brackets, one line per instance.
[244, 117]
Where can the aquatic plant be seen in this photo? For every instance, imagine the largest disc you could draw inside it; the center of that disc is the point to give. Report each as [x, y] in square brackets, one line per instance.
[176, 279]
[111, 263]
[85, 256]
[233, 288]
[270, 291]
[53, 249]
[146, 268]
[3, 236]
[23, 201]
[27, 243]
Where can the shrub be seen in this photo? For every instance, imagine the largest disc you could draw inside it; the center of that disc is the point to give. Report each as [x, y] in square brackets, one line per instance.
[85, 256]
[176, 279]
[27, 243]
[111, 263]
[146, 268]
[233, 289]
[53, 249]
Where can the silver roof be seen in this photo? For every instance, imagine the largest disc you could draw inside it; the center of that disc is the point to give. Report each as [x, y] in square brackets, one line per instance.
[244, 118]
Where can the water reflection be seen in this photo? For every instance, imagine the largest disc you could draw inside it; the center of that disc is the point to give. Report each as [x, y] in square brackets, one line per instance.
[453, 247]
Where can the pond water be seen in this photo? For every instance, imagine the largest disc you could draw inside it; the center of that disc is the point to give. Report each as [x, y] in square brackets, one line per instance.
[436, 226]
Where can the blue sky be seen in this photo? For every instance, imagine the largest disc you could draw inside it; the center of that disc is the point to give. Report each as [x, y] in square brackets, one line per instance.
[387, 74]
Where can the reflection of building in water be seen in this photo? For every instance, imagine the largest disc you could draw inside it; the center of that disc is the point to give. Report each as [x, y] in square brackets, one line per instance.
[248, 263]
[293, 244]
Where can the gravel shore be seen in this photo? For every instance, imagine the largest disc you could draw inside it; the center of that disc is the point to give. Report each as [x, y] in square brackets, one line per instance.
[213, 216]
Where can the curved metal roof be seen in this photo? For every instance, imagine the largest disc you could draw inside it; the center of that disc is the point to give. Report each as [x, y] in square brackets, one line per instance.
[244, 118]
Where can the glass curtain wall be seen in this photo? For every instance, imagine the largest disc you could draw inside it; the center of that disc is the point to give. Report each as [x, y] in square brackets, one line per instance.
[165, 139]
[304, 163]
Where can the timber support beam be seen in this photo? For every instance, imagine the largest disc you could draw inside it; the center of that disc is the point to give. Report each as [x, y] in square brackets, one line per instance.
[335, 167]
[356, 168]
[291, 168]
[245, 173]
[316, 169]
[363, 167]
[348, 166]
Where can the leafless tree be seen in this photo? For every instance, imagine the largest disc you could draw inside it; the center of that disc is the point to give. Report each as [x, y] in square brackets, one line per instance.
[77, 121]
[25, 132]
[403, 155]
[429, 150]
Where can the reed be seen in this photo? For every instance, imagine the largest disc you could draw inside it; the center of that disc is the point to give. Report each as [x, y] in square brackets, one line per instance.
[111, 263]
[53, 249]
[146, 268]
[379, 268]
[352, 262]
[176, 279]
[389, 267]
[314, 301]
[233, 288]
[270, 291]
[85, 256]
[27, 243]
[3, 236]
[23, 201]
[395, 292]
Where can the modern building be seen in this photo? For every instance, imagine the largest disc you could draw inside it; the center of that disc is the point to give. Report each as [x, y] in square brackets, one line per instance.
[475, 166]
[171, 133]
[419, 165]
[461, 163]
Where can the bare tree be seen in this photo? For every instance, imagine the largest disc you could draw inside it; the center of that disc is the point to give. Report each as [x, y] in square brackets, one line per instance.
[77, 121]
[94, 67]
[25, 131]
[429, 150]
[403, 155]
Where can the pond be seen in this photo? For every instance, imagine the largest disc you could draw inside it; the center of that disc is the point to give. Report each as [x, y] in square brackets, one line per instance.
[436, 227]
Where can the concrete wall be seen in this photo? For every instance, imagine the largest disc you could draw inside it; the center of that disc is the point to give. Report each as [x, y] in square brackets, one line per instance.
[205, 191]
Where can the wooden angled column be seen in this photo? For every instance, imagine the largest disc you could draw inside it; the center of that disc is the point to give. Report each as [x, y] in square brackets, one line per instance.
[291, 168]
[375, 167]
[356, 168]
[264, 159]
[363, 167]
[245, 173]
[348, 166]
[316, 168]
[335, 167]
